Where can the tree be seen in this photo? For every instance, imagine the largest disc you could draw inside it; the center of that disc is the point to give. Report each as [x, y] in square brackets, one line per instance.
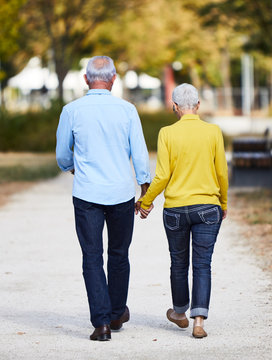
[248, 22]
[148, 43]
[66, 28]
[10, 39]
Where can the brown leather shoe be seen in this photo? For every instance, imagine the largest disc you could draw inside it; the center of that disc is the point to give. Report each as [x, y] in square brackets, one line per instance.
[184, 323]
[103, 333]
[199, 332]
[117, 324]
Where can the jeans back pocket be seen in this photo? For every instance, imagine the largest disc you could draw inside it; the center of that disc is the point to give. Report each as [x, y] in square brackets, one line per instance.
[210, 216]
[171, 220]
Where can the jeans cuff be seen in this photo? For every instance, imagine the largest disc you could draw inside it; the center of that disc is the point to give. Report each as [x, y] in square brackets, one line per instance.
[181, 309]
[199, 312]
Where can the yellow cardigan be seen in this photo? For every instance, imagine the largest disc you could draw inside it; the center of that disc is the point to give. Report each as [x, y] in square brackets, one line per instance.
[191, 165]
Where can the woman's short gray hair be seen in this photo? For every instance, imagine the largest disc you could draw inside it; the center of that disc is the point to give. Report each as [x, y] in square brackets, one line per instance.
[100, 68]
[185, 96]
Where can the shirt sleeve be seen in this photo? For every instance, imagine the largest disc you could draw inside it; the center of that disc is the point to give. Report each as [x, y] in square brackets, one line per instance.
[221, 168]
[138, 149]
[163, 172]
[65, 142]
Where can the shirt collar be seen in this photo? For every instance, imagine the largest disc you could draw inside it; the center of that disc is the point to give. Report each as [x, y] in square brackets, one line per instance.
[190, 117]
[98, 92]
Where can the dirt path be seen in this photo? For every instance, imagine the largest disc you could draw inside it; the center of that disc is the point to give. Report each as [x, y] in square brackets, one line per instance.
[43, 305]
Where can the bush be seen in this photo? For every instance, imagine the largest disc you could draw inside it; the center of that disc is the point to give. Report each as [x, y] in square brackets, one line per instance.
[36, 131]
[152, 123]
[31, 131]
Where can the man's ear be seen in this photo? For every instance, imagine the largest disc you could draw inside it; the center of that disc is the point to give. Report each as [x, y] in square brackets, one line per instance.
[86, 79]
[198, 104]
[113, 78]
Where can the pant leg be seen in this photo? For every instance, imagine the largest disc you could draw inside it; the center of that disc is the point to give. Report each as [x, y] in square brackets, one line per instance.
[205, 228]
[120, 221]
[89, 219]
[178, 234]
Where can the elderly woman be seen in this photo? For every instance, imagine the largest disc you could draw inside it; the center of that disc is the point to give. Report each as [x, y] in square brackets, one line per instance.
[192, 169]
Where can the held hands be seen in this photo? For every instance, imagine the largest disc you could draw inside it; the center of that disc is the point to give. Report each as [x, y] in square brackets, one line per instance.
[143, 212]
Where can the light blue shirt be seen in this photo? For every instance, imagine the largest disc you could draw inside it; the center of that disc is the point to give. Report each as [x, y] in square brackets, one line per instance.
[97, 136]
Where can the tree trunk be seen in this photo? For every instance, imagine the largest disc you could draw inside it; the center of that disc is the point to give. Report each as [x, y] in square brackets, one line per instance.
[226, 79]
[195, 77]
[61, 71]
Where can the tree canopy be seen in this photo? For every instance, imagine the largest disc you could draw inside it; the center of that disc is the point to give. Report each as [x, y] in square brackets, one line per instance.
[205, 36]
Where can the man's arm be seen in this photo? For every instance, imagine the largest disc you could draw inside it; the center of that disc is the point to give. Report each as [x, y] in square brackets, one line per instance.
[65, 143]
[138, 150]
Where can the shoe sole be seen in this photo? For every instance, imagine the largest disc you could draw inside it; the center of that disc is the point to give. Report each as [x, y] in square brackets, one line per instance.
[119, 327]
[104, 337]
[200, 336]
[183, 324]
[123, 320]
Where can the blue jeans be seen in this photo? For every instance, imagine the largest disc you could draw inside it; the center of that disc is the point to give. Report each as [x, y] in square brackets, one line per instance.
[203, 222]
[107, 297]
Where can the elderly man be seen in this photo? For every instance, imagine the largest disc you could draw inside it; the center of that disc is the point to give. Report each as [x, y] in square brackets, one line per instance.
[192, 169]
[96, 137]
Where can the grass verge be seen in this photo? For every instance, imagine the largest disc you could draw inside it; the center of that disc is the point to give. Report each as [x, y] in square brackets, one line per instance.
[253, 210]
[27, 167]
[19, 171]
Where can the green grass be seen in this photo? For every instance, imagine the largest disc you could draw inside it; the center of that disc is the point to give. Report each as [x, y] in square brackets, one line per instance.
[22, 173]
[27, 167]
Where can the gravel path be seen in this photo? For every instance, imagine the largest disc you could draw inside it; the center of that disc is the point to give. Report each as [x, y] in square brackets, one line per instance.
[43, 304]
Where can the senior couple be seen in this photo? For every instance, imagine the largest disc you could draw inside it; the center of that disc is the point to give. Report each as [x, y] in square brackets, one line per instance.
[97, 136]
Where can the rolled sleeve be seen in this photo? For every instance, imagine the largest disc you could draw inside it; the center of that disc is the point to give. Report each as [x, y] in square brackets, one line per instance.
[65, 142]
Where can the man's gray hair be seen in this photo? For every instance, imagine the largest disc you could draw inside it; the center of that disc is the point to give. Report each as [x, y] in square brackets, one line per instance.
[185, 96]
[100, 68]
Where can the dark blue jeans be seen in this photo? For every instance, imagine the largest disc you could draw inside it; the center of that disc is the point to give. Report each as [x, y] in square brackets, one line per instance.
[203, 223]
[107, 297]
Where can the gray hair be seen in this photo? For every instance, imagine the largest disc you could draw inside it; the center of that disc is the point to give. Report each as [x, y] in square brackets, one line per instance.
[100, 68]
[185, 96]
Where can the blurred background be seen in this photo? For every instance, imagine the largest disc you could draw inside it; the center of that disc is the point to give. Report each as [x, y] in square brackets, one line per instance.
[222, 47]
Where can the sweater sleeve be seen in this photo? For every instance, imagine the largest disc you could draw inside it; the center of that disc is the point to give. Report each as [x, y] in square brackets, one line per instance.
[163, 174]
[221, 168]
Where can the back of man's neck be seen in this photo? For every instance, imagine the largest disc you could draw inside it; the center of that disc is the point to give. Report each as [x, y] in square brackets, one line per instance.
[100, 85]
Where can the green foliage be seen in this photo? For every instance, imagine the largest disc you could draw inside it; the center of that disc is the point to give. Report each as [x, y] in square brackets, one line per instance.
[10, 37]
[36, 131]
[65, 29]
[152, 123]
[32, 131]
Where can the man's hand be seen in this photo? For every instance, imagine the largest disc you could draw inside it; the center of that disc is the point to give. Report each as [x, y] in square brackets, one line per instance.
[137, 206]
[145, 212]
[144, 188]
[225, 212]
